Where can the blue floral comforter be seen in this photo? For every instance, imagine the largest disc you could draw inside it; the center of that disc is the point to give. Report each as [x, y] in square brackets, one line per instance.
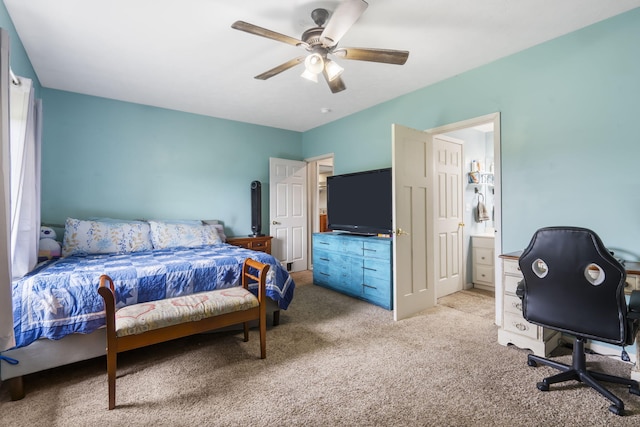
[61, 297]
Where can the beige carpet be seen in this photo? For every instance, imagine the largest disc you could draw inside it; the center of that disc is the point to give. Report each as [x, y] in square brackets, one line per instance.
[333, 361]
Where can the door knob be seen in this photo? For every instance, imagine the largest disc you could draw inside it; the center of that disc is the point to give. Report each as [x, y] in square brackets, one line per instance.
[461, 224]
[275, 223]
[401, 232]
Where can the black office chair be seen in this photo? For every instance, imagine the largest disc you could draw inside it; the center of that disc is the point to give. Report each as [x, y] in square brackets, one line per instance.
[574, 285]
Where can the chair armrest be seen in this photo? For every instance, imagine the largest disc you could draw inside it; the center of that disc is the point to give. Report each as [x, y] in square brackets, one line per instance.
[520, 289]
[106, 290]
[634, 305]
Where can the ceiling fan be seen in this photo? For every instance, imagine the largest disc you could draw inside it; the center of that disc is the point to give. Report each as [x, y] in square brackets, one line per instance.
[322, 41]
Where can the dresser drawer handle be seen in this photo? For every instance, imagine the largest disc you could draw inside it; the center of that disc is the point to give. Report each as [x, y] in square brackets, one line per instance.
[323, 243]
[325, 274]
[517, 305]
[258, 244]
[369, 286]
[370, 250]
[325, 259]
[521, 326]
[369, 268]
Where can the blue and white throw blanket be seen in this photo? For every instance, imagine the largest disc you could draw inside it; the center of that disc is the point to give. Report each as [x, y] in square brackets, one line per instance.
[61, 297]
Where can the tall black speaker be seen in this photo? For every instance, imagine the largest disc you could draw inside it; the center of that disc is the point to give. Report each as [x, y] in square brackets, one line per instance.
[256, 208]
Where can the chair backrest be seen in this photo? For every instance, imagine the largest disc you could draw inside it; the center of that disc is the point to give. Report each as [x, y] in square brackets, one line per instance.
[573, 284]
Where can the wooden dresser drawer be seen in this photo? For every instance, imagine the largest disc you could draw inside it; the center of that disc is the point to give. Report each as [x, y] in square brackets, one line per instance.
[376, 268]
[376, 249]
[258, 243]
[376, 290]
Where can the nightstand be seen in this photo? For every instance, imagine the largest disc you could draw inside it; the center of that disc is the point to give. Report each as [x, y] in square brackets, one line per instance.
[258, 243]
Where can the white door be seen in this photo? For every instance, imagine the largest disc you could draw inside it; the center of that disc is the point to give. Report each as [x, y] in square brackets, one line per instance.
[412, 260]
[448, 215]
[288, 212]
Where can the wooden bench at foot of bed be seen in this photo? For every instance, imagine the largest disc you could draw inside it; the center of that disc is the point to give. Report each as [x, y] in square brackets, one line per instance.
[144, 324]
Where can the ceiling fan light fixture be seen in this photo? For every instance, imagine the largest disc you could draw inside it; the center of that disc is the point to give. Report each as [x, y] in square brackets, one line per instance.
[314, 63]
[309, 76]
[322, 40]
[333, 69]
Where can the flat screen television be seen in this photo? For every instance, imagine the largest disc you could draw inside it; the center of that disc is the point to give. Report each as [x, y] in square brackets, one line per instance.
[360, 203]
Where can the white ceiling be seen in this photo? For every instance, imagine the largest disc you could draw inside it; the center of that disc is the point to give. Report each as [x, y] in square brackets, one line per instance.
[184, 55]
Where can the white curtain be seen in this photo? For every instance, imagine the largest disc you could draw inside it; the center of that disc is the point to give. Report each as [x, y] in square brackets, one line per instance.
[25, 179]
[6, 307]
[20, 135]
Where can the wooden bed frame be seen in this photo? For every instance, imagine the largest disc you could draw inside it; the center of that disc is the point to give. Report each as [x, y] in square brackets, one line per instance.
[45, 354]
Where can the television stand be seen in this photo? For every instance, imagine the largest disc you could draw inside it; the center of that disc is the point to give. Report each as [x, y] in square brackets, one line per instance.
[359, 266]
[351, 233]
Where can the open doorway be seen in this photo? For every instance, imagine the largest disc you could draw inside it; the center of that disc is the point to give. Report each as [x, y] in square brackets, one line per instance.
[481, 188]
[479, 204]
[318, 169]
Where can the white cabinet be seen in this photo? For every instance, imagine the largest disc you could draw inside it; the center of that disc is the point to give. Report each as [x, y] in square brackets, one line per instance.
[482, 252]
[633, 283]
[515, 329]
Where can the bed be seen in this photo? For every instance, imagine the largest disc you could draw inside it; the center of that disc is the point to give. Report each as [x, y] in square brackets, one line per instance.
[59, 315]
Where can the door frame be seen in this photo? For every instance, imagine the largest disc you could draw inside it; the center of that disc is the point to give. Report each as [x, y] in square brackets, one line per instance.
[313, 197]
[469, 123]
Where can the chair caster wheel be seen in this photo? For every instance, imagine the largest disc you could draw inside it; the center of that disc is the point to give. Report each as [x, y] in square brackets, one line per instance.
[532, 363]
[542, 386]
[616, 410]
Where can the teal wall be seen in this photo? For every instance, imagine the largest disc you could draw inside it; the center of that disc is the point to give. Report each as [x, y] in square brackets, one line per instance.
[569, 110]
[569, 127]
[109, 158]
[20, 63]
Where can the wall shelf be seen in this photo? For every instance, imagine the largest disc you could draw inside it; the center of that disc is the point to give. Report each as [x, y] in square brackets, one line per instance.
[480, 178]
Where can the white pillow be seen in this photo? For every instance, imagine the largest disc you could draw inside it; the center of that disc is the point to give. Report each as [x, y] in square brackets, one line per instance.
[171, 235]
[104, 237]
[218, 227]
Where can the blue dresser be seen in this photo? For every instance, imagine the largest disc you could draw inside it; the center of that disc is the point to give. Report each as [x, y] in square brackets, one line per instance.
[358, 266]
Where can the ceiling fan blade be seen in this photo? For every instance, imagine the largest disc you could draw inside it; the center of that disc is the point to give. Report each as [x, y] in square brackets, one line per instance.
[263, 32]
[387, 56]
[280, 68]
[336, 85]
[345, 15]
